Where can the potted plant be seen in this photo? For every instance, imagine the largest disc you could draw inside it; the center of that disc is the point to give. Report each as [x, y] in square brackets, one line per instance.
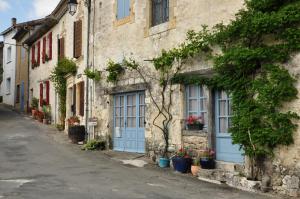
[76, 132]
[207, 160]
[34, 106]
[39, 116]
[195, 166]
[195, 123]
[47, 114]
[182, 161]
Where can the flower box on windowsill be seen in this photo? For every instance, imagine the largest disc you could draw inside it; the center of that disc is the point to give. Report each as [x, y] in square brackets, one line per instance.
[195, 127]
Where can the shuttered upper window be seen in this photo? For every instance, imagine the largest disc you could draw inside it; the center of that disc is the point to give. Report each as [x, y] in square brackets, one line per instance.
[160, 11]
[77, 38]
[61, 48]
[123, 9]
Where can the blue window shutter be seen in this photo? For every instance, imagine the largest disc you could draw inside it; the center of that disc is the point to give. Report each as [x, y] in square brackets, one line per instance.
[126, 8]
[120, 9]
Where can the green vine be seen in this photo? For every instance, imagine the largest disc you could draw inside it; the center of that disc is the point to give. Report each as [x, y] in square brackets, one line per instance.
[114, 70]
[62, 68]
[93, 74]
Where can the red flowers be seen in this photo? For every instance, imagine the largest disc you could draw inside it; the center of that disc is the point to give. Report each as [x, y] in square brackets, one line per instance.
[194, 120]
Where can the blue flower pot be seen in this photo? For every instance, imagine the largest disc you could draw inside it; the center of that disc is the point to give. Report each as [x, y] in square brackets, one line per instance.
[164, 162]
[181, 164]
[207, 163]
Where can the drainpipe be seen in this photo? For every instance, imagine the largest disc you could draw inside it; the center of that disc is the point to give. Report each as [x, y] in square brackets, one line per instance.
[88, 4]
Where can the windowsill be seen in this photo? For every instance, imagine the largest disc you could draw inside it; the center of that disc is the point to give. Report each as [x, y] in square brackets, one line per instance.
[8, 62]
[160, 28]
[199, 133]
[8, 93]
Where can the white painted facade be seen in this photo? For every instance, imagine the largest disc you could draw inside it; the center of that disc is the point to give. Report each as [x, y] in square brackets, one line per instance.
[9, 68]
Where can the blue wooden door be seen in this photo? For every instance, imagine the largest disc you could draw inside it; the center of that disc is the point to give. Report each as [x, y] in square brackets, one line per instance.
[129, 122]
[225, 150]
[22, 100]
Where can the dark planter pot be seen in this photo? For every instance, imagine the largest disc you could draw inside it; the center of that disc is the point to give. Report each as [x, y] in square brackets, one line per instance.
[182, 165]
[76, 134]
[195, 127]
[207, 163]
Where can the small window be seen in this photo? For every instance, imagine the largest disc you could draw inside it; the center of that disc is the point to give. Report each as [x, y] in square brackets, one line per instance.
[160, 11]
[123, 9]
[18, 94]
[8, 54]
[8, 85]
[197, 102]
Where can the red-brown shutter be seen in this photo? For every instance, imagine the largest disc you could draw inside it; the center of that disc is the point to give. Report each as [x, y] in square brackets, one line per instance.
[39, 53]
[77, 39]
[47, 92]
[81, 91]
[32, 56]
[41, 94]
[62, 48]
[44, 50]
[50, 45]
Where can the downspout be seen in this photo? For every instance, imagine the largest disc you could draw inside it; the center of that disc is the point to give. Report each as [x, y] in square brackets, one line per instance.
[88, 3]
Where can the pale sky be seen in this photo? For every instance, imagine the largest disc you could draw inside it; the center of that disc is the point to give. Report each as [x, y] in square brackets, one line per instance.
[24, 10]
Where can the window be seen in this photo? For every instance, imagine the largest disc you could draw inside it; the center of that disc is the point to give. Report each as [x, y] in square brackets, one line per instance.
[160, 11]
[61, 48]
[197, 102]
[77, 39]
[123, 9]
[18, 94]
[8, 84]
[8, 57]
[224, 112]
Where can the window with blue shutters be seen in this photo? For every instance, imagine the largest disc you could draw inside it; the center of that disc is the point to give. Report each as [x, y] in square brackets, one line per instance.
[196, 103]
[123, 9]
[160, 11]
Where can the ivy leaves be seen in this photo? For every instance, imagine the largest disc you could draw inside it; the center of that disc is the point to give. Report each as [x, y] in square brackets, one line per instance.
[64, 67]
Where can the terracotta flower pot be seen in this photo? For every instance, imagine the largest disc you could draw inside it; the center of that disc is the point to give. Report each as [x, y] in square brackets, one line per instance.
[33, 111]
[195, 170]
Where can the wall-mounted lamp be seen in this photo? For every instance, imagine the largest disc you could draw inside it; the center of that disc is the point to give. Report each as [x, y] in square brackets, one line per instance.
[72, 6]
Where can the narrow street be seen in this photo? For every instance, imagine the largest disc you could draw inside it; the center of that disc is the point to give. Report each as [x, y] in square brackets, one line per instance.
[36, 162]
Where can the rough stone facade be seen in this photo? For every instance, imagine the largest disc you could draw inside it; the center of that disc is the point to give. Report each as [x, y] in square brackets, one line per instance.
[134, 37]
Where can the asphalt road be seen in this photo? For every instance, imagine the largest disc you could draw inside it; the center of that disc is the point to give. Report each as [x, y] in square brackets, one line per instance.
[37, 162]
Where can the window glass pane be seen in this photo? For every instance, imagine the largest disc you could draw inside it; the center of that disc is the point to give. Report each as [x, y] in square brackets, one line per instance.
[120, 9]
[193, 105]
[134, 111]
[142, 122]
[222, 108]
[193, 91]
[129, 111]
[142, 111]
[117, 112]
[117, 103]
[229, 108]
[117, 122]
[222, 125]
[203, 106]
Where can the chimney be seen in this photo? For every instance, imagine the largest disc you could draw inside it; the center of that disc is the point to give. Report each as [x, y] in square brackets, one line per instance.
[13, 21]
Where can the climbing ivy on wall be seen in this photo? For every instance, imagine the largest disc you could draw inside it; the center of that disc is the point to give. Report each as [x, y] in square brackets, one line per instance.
[254, 46]
[63, 67]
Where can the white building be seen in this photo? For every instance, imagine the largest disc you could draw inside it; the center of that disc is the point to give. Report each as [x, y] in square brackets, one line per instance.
[9, 64]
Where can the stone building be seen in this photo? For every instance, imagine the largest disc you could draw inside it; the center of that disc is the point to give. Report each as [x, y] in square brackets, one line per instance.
[22, 64]
[141, 29]
[55, 40]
